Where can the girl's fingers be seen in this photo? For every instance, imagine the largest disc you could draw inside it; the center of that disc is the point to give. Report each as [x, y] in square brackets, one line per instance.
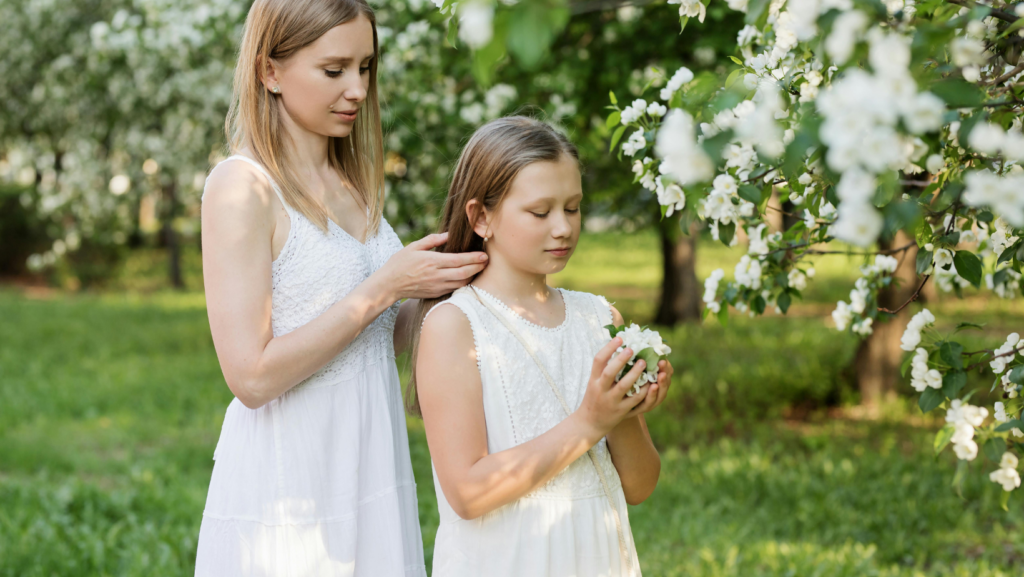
[627, 381]
[615, 365]
[650, 393]
[603, 356]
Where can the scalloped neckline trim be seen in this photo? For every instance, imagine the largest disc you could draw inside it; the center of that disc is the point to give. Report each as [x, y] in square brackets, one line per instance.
[501, 304]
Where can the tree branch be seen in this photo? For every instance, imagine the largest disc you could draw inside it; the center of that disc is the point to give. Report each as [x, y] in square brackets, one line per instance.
[982, 362]
[912, 298]
[586, 6]
[995, 12]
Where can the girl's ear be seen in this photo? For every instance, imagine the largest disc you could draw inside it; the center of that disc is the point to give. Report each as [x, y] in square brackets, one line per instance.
[477, 215]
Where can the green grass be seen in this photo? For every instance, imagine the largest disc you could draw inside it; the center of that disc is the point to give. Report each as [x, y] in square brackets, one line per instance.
[111, 404]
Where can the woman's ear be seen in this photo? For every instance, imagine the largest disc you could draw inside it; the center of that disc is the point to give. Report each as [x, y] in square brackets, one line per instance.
[477, 215]
[270, 73]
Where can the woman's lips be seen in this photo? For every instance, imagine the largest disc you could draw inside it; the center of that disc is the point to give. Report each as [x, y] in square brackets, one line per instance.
[346, 116]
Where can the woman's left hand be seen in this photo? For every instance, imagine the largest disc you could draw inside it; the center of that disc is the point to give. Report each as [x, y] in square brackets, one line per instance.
[658, 391]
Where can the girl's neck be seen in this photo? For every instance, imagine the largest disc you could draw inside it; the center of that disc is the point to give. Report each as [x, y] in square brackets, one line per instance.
[514, 286]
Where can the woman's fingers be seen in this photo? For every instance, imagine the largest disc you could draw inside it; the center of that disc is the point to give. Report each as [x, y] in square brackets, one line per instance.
[429, 242]
[459, 260]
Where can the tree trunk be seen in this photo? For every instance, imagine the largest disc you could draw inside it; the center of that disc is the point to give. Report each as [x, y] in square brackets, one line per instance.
[170, 236]
[680, 289]
[877, 364]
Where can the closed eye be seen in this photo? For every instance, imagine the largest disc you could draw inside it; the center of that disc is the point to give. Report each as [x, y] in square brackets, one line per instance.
[334, 73]
[572, 210]
[539, 215]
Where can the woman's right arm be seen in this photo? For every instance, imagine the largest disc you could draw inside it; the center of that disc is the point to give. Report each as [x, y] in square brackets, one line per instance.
[237, 227]
[449, 389]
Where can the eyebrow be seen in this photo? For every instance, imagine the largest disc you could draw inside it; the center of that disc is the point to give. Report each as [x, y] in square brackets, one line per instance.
[551, 198]
[344, 59]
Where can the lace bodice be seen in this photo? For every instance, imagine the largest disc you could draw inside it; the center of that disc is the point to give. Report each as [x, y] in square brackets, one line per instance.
[518, 402]
[316, 270]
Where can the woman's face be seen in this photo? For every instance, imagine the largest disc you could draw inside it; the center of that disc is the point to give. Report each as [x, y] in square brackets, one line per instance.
[537, 225]
[324, 85]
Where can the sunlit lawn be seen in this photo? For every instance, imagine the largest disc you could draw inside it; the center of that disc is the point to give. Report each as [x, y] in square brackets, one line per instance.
[110, 406]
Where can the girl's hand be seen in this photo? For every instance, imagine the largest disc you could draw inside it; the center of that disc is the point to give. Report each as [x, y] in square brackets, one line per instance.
[418, 272]
[656, 392]
[605, 403]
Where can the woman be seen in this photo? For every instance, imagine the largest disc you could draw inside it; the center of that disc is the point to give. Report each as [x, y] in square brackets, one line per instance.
[303, 275]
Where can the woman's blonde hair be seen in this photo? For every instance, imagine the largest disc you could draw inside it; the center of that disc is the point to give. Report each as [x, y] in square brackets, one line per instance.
[275, 30]
[486, 168]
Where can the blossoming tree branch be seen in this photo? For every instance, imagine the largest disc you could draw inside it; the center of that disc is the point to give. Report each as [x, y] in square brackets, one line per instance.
[871, 118]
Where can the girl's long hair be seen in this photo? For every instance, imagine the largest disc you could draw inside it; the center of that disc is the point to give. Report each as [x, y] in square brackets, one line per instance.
[486, 168]
[277, 29]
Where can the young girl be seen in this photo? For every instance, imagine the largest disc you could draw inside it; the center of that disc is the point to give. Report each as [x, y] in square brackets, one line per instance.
[536, 449]
[302, 276]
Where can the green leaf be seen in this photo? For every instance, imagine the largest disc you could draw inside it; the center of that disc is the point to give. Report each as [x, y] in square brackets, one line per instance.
[957, 92]
[723, 315]
[1004, 499]
[968, 265]
[1008, 253]
[1010, 30]
[532, 28]
[616, 136]
[958, 478]
[611, 96]
[942, 438]
[1014, 424]
[784, 301]
[950, 353]
[924, 260]
[1016, 375]
[755, 10]
[750, 193]
[757, 305]
[613, 119]
[726, 232]
[906, 365]
[736, 60]
[930, 399]
[966, 325]
[994, 448]
[953, 382]
[649, 356]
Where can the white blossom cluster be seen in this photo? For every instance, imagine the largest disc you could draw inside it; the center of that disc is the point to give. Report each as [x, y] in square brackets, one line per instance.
[711, 290]
[1005, 353]
[922, 377]
[845, 313]
[1002, 417]
[1004, 194]
[639, 339]
[912, 335]
[964, 418]
[1006, 475]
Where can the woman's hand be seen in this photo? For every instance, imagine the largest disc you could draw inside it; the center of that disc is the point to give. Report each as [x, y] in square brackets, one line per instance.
[605, 403]
[417, 271]
[656, 392]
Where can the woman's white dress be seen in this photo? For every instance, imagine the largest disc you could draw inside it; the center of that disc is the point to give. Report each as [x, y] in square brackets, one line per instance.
[318, 482]
[564, 528]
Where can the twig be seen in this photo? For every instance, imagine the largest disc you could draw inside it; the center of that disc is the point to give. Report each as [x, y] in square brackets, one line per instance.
[890, 251]
[979, 363]
[1000, 14]
[912, 298]
[1016, 70]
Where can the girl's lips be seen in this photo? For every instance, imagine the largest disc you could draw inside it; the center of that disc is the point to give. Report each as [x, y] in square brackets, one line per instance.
[560, 251]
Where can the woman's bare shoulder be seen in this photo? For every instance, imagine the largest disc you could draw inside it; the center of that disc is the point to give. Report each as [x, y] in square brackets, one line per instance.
[238, 187]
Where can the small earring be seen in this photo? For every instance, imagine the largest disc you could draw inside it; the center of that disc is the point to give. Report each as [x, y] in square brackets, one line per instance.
[277, 90]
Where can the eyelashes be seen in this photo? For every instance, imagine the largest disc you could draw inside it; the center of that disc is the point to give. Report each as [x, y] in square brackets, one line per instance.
[337, 73]
[543, 215]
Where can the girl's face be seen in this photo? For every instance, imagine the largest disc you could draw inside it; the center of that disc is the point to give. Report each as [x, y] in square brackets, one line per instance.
[324, 85]
[537, 225]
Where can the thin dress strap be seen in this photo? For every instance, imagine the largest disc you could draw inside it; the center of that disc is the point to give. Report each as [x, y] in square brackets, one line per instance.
[259, 167]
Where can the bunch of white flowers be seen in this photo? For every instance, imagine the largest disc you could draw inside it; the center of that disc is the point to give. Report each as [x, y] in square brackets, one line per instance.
[921, 377]
[681, 77]
[912, 336]
[1002, 417]
[711, 290]
[964, 418]
[633, 112]
[1002, 356]
[683, 158]
[1004, 194]
[883, 266]
[645, 344]
[1006, 475]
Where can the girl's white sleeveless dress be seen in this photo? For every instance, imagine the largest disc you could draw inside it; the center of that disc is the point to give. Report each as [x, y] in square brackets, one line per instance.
[565, 528]
[318, 482]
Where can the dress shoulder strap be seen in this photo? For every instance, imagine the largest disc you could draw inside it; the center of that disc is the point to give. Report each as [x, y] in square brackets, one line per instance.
[265, 173]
